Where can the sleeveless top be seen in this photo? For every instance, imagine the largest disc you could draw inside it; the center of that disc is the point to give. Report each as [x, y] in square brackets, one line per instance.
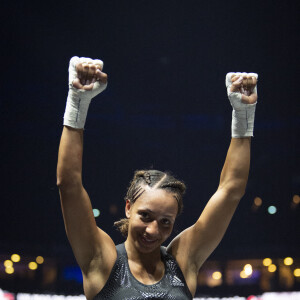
[122, 285]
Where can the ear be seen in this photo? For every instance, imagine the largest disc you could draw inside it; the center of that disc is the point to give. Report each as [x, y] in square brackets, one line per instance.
[128, 208]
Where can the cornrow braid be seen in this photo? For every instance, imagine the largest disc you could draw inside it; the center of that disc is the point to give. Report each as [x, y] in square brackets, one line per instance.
[147, 177]
[153, 179]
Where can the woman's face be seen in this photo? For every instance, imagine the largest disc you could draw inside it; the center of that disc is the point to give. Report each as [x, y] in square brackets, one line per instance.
[151, 219]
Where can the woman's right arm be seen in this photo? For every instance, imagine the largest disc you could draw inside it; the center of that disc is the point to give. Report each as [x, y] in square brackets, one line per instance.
[92, 247]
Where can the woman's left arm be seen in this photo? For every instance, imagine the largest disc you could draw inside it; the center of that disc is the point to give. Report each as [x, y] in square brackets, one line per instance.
[193, 246]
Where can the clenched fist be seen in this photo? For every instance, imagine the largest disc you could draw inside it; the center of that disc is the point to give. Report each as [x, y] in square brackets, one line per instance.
[86, 80]
[245, 84]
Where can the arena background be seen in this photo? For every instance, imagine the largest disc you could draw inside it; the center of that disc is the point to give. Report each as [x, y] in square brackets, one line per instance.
[165, 108]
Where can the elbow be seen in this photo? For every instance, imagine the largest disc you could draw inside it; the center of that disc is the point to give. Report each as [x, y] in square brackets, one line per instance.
[64, 180]
[238, 194]
[235, 190]
[59, 182]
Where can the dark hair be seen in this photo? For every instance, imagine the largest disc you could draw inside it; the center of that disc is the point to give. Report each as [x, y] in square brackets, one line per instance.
[154, 179]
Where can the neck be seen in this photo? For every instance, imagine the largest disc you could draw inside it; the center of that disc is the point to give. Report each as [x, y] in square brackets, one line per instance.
[145, 259]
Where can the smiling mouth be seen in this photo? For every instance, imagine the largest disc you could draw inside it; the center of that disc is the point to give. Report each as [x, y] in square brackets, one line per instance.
[147, 241]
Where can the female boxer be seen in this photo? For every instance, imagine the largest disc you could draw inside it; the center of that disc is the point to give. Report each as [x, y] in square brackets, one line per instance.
[141, 268]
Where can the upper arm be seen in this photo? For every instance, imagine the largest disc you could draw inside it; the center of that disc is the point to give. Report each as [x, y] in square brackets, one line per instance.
[194, 245]
[88, 242]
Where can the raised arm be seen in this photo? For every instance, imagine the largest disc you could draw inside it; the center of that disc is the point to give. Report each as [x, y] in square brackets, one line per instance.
[193, 246]
[88, 242]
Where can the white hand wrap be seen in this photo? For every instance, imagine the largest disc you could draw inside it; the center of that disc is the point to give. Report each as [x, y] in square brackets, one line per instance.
[78, 100]
[242, 124]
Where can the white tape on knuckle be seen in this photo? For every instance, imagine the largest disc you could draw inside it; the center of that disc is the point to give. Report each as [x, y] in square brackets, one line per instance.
[98, 62]
[253, 75]
[74, 61]
[228, 79]
[85, 60]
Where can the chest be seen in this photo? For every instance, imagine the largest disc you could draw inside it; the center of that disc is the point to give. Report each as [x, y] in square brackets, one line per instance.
[147, 275]
[129, 281]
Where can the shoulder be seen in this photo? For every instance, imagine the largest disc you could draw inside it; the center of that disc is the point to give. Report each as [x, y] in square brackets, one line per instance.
[98, 273]
[118, 275]
[179, 250]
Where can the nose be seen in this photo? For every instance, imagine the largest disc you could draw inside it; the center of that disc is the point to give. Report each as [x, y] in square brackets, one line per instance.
[152, 229]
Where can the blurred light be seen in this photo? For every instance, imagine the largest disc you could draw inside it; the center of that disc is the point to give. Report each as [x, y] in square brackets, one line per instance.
[248, 269]
[32, 265]
[9, 270]
[272, 210]
[288, 261]
[8, 263]
[243, 274]
[39, 260]
[257, 201]
[96, 212]
[72, 273]
[113, 209]
[297, 272]
[296, 199]
[267, 262]
[15, 258]
[272, 268]
[217, 275]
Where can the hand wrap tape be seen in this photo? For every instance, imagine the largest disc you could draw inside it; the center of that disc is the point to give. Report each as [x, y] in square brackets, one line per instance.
[78, 100]
[242, 124]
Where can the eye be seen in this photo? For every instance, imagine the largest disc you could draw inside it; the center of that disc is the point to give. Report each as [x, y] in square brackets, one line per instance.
[166, 222]
[144, 216]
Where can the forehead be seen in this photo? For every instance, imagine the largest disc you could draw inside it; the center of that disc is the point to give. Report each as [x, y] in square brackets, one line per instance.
[158, 201]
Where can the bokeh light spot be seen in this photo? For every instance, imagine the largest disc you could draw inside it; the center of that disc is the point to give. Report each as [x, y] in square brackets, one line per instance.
[96, 212]
[272, 268]
[272, 210]
[243, 274]
[113, 209]
[8, 263]
[297, 272]
[288, 261]
[296, 199]
[39, 260]
[32, 265]
[9, 270]
[217, 275]
[257, 201]
[248, 269]
[15, 258]
[267, 262]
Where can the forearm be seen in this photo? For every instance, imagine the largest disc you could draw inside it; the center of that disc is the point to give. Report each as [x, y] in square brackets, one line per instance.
[234, 175]
[69, 166]
[81, 91]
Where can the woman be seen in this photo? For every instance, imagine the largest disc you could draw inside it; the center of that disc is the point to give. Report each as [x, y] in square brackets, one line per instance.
[140, 268]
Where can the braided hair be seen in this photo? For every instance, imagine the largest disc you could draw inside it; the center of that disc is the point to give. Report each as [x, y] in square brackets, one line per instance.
[153, 179]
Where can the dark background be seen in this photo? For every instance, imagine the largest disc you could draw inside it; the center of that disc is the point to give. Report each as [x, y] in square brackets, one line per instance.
[165, 108]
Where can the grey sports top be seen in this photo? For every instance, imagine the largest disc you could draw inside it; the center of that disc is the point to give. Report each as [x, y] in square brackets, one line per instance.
[121, 284]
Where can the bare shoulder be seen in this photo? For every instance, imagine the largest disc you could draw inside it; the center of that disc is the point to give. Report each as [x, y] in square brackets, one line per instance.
[97, 273]
[179, 248]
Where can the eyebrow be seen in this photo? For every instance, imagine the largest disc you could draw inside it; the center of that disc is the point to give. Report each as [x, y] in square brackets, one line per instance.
[152, 212]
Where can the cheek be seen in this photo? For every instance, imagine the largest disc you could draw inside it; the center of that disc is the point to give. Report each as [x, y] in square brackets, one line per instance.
[166, 232]
[136, 224]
